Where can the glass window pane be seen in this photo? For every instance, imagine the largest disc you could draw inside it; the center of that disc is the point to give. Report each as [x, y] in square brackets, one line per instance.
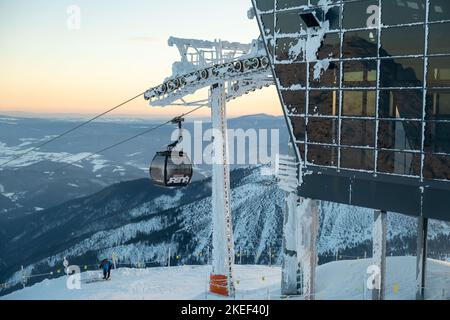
[400, 135]
[401, 72]
[399, 163]
[295, 101]
[331, 46]
[358, 133]
[299, 127]
[437, 137]
[439, 10]
[402, 41]
[323, 102]
[289, 22]
[265, 5]
[286, 4]
[322, 130]
[360, 44]
[291, 74]
[334, 17]
[402, 104]
[360, 14]
[359, 103]
[402, 12]
[301, 149]
[158, 167]
[322, 155]
[358, 159]
[268, 24]
[283, 47]
[324, 78]
[438, 105]
[438, 38]
[360, 73]
[436, 167]
[439, 72]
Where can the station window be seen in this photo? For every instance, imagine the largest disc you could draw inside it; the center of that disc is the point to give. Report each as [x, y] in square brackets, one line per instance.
[323, 102]
[359, 103]
[265, 5]
[268, 23]
[402, 12]
[295, 101]
[331, 46]
[404, 104]
[359, 159]
[400, 135]
[291, 74]
[283, 48]
[324, 78]
[321, 130]
[299, 128]
[322, 155]
[358, 133]
[436, 167]
[289, 22]
[361, 73]
[402, 163]
[437, 137]
[402, 41]
[360, 44]
[439, 10]
[286, 4]
[402, 72]
[360, 14]
[439, 72]
[438, 105]
[438, 38]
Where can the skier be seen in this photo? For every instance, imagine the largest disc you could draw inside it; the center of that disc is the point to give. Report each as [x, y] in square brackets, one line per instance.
[106, 265]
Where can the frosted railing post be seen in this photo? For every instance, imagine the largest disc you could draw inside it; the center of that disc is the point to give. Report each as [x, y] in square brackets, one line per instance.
[300, 228]
[422, 235]
[290, 265]
[379, 233]
[307, 252]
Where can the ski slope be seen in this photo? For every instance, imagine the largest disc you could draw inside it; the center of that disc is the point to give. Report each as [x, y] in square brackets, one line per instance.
[335, 280]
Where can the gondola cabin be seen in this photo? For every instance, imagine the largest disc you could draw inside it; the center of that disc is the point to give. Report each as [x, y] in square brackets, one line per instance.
[171, 169]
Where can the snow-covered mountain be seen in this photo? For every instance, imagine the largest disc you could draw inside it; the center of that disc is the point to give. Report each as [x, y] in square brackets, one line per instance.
[140, 222]
[41, 179]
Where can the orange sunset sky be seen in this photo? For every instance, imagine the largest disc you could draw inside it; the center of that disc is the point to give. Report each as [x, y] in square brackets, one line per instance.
[120, 50]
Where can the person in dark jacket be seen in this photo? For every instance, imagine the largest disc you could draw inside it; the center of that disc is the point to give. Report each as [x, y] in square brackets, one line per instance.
[106, 265]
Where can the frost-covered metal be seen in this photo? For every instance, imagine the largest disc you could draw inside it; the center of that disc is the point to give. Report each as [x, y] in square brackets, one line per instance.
[379, 236]
[242, 68]
[223, 244]
[229, 70]
[300, 228]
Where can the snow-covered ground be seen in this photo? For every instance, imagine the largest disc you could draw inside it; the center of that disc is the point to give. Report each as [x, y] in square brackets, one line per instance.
[336, 280]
